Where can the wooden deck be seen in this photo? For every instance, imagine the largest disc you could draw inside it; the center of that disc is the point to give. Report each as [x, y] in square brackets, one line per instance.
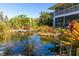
[46, 34]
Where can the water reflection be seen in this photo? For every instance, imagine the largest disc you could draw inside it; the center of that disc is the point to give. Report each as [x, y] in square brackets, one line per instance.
[22, 43]
[46, 39]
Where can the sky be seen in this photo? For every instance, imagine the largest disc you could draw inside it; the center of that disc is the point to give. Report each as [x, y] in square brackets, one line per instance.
[30, 9]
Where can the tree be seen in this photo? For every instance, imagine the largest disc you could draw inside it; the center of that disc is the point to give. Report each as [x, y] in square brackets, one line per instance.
[34, 23]
[20, 22]
[6, 18]
[45, 19]
[14, 22]
[2, 17]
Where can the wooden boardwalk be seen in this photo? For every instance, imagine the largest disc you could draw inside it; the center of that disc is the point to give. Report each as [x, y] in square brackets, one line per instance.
[46, 34]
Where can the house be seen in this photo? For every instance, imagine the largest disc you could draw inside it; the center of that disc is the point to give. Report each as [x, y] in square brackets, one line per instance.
[64, 13]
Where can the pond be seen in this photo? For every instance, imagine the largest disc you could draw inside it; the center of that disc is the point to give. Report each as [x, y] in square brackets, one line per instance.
[24, 44]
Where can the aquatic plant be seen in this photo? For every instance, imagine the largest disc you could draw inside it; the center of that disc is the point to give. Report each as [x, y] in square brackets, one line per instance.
[47, 38]
[5, 31]
[7, 52]
[71, 34]
[45, 29]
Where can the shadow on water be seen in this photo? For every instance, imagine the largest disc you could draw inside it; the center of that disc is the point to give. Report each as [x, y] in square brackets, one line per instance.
[21, 43]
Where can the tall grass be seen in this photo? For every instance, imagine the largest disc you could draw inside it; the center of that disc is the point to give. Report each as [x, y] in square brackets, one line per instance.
[4, 31]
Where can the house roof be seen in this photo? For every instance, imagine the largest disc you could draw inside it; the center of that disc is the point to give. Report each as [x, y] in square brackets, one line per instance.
[55, 6]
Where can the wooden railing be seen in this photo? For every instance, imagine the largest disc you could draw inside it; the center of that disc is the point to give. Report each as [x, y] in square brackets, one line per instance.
[68, 10]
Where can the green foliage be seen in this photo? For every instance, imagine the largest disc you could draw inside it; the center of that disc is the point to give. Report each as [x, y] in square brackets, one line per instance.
[45, 19]
[20, 21]
[34, 24]
[14, 23]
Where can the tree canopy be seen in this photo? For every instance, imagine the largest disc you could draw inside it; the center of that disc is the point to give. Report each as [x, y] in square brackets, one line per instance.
[45, 19]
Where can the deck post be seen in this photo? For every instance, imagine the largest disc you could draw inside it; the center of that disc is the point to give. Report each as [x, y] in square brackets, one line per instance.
[54, 20]
[70, 50]
[64, 21]
[64, 16]
[60, 45]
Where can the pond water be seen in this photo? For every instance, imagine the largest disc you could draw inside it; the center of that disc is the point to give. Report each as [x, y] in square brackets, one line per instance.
[20, 43]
